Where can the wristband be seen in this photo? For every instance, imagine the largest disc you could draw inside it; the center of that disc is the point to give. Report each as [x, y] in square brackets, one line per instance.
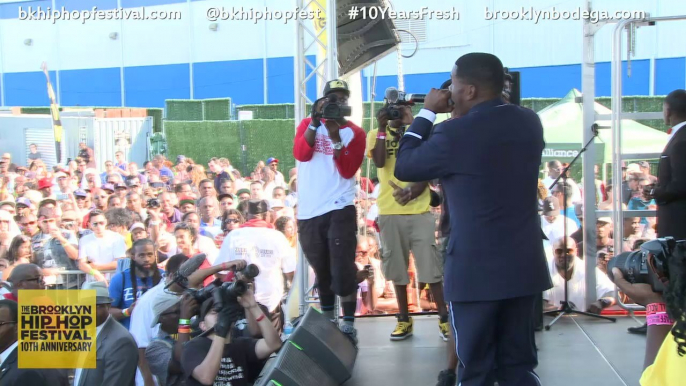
[125, 312]
[260, 318]
[184, 322]
[661, 319]
[93, 271]
[381, 136]
[311, 127]
[655, 308]
[184, 330]
[153, 223]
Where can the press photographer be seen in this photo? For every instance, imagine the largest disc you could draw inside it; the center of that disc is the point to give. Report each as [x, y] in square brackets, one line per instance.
[405, 221]
[655, 277]
[330, 150]
[219, 357]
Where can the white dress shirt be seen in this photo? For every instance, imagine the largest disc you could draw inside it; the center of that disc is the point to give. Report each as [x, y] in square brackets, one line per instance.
[77, 373]
[675, 129]
[7, 352]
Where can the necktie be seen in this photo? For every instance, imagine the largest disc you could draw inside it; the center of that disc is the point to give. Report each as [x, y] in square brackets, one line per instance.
[669, 131]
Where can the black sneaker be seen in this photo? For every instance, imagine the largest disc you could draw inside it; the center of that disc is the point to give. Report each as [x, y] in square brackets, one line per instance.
[643, 330]
[447, 378]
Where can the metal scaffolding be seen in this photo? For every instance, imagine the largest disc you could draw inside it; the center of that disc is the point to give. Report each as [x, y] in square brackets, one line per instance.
[618, 213]
[326, 69]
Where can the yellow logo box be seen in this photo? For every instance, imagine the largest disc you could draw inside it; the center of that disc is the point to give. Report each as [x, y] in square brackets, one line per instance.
[57, 329]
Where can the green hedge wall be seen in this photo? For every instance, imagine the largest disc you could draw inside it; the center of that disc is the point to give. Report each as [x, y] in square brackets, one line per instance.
[217, 109]
[183, 110]
[244, 143]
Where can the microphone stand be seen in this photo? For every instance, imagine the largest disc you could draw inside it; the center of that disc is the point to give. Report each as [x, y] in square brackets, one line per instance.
[566, 308]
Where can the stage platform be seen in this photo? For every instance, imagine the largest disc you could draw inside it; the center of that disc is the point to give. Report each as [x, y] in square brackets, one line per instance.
[576, 351]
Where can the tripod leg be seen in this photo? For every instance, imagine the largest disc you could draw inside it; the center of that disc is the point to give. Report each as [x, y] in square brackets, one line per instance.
[555, 320]
[595, 316]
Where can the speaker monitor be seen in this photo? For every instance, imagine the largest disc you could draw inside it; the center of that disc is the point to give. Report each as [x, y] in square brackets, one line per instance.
[361, 41]
[315, 347]
[293, 367]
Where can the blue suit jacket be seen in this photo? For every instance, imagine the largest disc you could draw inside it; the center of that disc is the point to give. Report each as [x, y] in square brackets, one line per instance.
[489, 162]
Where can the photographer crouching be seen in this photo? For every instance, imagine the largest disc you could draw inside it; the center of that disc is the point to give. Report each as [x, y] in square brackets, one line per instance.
[655, 278]
[218, 356]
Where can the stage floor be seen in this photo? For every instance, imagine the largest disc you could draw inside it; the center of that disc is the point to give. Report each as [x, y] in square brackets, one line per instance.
[576, 351]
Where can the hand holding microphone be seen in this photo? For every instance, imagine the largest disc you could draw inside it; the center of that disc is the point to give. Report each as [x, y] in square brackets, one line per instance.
[438, 101]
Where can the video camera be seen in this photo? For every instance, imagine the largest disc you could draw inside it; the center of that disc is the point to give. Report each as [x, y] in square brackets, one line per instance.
[331, 109]
[395, 98]
[226, 293]
[649, 265]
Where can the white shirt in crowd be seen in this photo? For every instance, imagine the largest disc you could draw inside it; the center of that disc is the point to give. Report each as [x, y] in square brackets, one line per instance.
[269, 250]
[279, 180]
[102, 250]
[141, 319]
[576, 285]
[77, 372]
[332, 191]
[555, 230]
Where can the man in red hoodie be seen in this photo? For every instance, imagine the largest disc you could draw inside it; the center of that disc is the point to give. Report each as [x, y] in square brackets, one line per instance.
[257, 242]
[330, 151]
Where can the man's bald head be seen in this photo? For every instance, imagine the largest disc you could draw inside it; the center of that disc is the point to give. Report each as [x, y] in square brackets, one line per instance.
[23, 272]
[559, 243]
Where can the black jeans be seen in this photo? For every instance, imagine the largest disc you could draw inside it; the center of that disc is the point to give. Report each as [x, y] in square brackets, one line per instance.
[329, 242]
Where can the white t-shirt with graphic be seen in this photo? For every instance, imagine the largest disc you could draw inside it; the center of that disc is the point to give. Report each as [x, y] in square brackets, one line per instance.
[269, 250]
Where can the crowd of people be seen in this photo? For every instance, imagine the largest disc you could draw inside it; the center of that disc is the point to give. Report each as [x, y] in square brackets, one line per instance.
[146, 239]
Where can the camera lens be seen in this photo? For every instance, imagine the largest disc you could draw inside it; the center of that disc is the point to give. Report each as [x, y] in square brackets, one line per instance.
[631, 266]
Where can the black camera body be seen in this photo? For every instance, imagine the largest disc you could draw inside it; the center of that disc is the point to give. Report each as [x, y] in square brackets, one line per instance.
[223, 293]
[153, 203]
[394, 99]
[333, 109]
[649, 265]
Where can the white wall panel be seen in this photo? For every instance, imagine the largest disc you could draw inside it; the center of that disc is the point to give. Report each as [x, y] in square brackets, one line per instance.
[517, 43]
[233, 39]
[88, 45]
[19, 57]
[155, 42]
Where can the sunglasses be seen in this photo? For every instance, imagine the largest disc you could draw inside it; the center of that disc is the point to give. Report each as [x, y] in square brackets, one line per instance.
[98, 223]
[560, 250]
[232, 221]
[29, 223]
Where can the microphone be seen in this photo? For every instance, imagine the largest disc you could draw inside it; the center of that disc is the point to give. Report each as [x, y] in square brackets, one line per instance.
[186, 269]
[415, 98]
[392, 95]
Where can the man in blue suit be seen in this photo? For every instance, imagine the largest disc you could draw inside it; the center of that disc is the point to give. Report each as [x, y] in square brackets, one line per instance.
[488, 161]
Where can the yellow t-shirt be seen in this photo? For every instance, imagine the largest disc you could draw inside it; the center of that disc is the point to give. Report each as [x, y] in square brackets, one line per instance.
[386, 203]
[669, 369]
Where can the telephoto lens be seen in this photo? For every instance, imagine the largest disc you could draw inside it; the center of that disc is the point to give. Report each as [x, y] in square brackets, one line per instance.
[632, 266]
[250, 272]
[228, 294]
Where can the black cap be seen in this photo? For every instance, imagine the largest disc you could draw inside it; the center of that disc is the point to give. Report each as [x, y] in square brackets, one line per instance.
[224, 195]
[257, 207]
[336, 85]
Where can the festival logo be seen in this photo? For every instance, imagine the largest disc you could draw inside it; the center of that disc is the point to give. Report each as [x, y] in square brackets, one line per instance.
[57, 329]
